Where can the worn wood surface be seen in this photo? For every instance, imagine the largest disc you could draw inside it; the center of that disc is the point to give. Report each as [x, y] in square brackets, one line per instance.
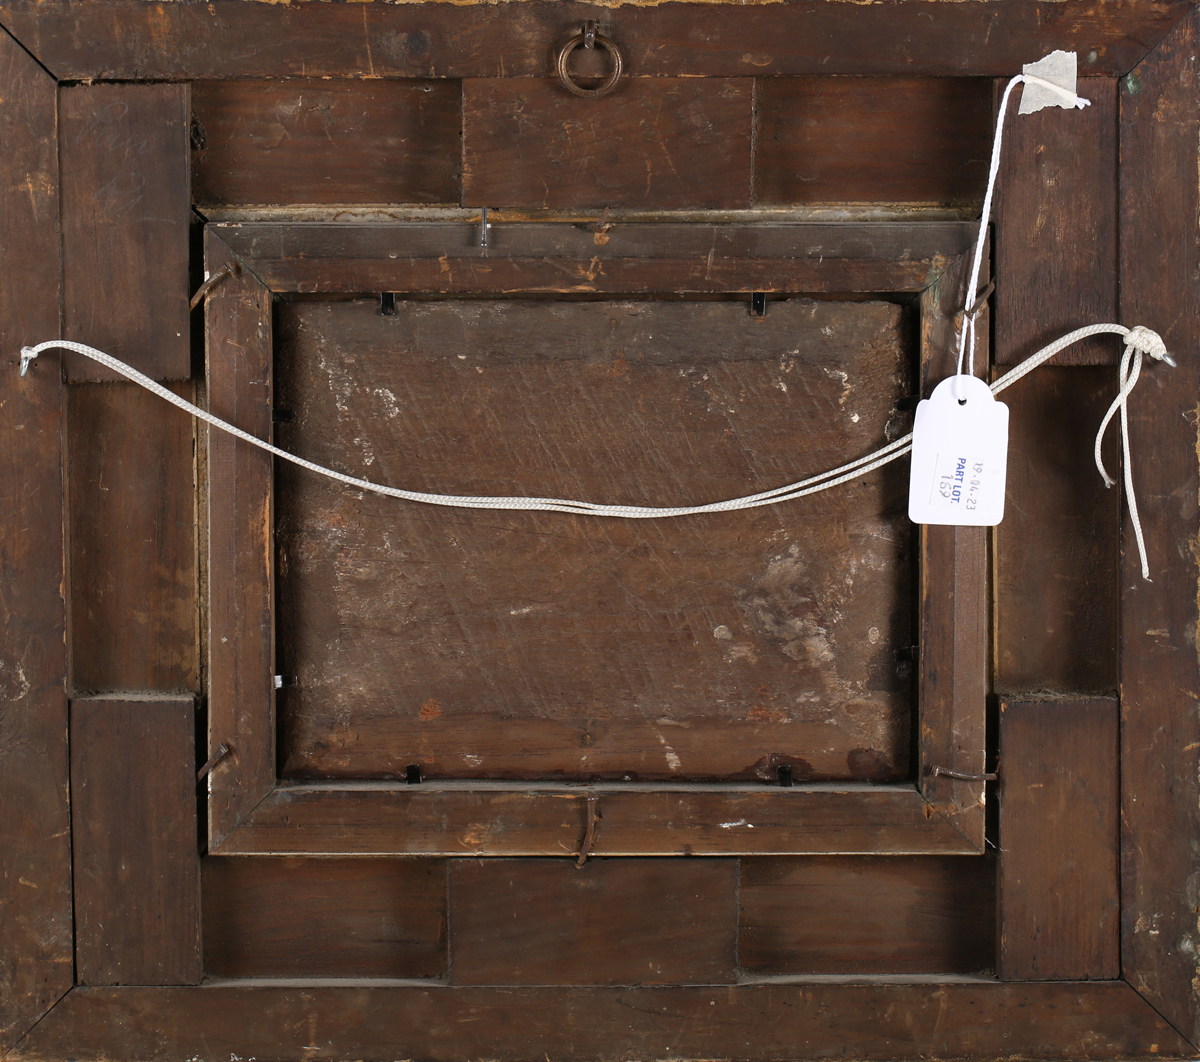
[165, 40]
[864, 915]
[1058, 549]
[515, 819]
[131, 482]
[953, 592]
[126, 211]
[1160, 673]
[35, 870]
[978, 1020]
[241, 636]
[1059, 903]
[545, 645]
[666, 143]
[871, 139]
[1056, 228]
[136, 868]
[609, 922]
[324, 917]
[567, 258]
[308, 141]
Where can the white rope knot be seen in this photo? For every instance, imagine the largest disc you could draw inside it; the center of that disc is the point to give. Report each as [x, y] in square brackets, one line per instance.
[1149, 342]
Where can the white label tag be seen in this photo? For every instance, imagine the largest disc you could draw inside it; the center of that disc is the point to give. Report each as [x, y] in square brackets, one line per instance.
[959, 456]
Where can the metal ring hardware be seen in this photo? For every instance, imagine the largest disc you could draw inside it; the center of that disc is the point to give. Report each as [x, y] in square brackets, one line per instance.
[588, 37]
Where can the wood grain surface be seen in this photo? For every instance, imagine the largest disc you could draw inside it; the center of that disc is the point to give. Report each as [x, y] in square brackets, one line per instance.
[975, 1020]
[666, 143]
[126, 213]
[307, 141]
[133, 39]
[380, 918]
[136, 866]
[523, 645]
[1160, 672]
[35, 869]
[609, 922]
[1059, 841]
[132, 501]
[1058, 549]
[1056, 228]
[864, 915]
[871, 139]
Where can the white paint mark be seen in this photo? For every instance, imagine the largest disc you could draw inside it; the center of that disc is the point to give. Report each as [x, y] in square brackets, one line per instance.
[390, 405]
[873, 635]
[722, 633]
[472, 759]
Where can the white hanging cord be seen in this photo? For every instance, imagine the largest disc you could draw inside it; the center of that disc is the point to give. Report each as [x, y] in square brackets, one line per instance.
[1138, 341]
[966, 335]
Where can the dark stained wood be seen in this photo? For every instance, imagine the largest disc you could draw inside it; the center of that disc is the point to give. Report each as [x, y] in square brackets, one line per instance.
[564, 258]
[134, 619]
[1056, 228]
[35, 869]
[1059, 903]
[864, 915]
[1160, 673]
[953, 594]
[193, 41]
[310, 141]
[1058, 550]
[136, 867]
[665, 143]
[241, 651]
[516, 819]
[502, 644]
[872, 139]
[126, 211]
[976, 1020]
[379, 918]
[609, 922]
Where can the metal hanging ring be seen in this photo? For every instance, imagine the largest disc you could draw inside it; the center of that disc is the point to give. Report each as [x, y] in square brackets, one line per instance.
[589, 37]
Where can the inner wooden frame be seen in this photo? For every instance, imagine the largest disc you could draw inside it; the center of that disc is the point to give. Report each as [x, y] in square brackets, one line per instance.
[251, 812]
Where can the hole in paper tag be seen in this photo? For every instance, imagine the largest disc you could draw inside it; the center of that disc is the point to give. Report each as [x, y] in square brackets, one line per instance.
[959, 456]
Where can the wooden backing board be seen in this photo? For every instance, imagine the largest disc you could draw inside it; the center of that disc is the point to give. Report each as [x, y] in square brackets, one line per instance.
[308, 141]
[1160, 672]
[1056, 236]
[182, 41]
[1059, 843]
[35, 871]
[935, 1019]
[137, 871]
[666, 143]
[126, 214]
[608, 922]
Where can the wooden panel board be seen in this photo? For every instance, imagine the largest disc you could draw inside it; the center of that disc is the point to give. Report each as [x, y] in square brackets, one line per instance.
[976, 1020]
[546, 645]
[871, 139]
[324, 917]
[864, 915]
[307, 141]
[1058, 549]
[35, 869]
[134, 618]
[165, 40]
[1160, 672]
[609, 922]
[126, 211]
[241, 650]
[1059, 843]
[137, 871]
[1056, 228]
[663, 143]
[633, 258]
[481, 818]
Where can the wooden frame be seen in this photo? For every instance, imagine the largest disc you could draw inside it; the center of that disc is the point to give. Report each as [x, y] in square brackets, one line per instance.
[252, 813]
[1151, 1011]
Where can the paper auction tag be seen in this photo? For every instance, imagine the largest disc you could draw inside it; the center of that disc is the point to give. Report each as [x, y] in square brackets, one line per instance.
[959, 456]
